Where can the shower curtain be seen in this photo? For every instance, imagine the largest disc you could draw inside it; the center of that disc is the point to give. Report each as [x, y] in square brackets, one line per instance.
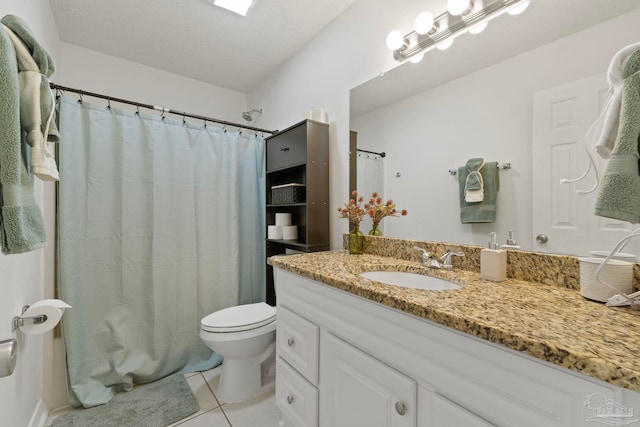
[161, 222]
[371, 170]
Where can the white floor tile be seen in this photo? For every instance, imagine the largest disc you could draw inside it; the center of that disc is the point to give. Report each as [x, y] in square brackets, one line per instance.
[213, 378]
[259, 412]
[212, 418]
[205, 398]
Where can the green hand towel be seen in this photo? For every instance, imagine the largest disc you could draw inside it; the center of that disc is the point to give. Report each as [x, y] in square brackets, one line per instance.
[21, 225]
[619, 195]
[37, 103]
[484, 211]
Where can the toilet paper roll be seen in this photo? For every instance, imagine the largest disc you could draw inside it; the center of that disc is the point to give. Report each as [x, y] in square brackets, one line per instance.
[52, 308]
[274, 232]
[290, 232]
[283, 219]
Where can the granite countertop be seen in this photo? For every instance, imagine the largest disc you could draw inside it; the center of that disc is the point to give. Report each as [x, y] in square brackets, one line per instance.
[548, 322]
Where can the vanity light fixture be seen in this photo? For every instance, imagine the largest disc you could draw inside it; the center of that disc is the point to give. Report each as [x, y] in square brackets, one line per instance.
[241, 7]
[461, 16]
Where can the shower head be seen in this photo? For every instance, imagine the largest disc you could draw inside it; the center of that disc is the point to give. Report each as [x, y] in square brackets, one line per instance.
[248, 115]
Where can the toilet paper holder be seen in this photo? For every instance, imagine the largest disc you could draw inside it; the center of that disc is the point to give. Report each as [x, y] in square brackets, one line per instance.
[18, 321]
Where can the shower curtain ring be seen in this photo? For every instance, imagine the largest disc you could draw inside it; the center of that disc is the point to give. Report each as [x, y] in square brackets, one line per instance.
[80, 96]
[108, 103]
[162, 113]
[184, 118]
[205, 122]
[137, 109]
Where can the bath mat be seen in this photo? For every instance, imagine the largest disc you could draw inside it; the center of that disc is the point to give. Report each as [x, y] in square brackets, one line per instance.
[154, 405]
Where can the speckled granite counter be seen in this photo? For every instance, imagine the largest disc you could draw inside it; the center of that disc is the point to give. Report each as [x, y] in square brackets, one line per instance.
[553, 323]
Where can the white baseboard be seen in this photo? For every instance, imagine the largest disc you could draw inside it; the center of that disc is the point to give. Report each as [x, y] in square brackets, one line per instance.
[40, 415]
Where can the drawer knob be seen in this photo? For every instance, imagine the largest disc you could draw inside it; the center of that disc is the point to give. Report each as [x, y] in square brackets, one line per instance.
[290, 342]
[289, 399]
[400, 408]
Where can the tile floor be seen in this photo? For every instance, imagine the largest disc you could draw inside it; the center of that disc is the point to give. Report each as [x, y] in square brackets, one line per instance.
[258, 412]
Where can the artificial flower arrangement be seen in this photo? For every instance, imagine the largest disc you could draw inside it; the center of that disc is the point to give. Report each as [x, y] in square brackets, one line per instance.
[354, 211]
[378, 210]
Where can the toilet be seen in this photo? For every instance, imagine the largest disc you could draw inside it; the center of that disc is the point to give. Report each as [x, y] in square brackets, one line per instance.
[245, 336]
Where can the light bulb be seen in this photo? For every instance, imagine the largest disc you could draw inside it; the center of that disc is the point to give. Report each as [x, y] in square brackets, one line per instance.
[417, 58]
[478, 28]
[445, 44]
[458, 7]
[519, 8]
[395, 40]
[423, 23]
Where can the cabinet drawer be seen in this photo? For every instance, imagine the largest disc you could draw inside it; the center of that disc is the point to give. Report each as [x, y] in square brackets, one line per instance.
[297, 343]
[288, 149]
[296, 398]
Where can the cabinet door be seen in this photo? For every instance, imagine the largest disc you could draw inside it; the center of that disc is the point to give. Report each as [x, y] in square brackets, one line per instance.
[360, 391]
[437, 411]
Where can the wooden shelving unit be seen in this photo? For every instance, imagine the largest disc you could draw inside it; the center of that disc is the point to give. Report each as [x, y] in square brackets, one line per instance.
[300, 155]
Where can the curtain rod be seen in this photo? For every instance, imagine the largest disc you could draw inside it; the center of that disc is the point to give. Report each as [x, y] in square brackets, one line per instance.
[383, 154]
[154, 107]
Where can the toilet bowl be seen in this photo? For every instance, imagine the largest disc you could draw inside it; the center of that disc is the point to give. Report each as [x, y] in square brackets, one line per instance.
[245, 336]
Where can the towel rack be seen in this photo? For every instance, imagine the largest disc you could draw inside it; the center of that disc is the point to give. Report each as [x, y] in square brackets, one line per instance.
[504, 166]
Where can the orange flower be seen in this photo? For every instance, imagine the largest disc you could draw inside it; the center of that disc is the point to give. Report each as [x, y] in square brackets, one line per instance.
[377, 210]
[353, 210]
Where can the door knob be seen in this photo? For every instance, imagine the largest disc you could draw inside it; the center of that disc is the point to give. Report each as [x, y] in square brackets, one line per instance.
[542, 238]
[290, 342]
[400, 408]
[289, 399]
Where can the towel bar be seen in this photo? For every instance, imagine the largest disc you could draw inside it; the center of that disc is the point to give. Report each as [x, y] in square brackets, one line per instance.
[504, 166]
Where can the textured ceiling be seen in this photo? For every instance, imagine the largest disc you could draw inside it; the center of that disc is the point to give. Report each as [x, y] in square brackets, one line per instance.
[192, 38]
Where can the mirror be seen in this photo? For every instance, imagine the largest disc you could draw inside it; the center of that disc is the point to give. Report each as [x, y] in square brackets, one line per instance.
[476, 100]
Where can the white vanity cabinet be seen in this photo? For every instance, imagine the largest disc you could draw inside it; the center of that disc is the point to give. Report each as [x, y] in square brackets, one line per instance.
[367, 365]
[358, 390]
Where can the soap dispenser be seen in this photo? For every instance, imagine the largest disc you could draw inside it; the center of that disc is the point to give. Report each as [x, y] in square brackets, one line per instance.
[493, 261]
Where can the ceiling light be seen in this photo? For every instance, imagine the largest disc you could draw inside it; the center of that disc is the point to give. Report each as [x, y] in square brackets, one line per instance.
[458, 7]
[478, 28]
[241, 7]
[423, 23]
[416, 58]
[395, 40]
[517, 10]
[460, 17]
[445, 44]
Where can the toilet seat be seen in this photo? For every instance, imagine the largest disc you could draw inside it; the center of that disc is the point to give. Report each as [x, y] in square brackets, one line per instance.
[239, 318]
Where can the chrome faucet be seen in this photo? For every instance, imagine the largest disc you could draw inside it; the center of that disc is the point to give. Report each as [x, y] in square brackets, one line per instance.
[444, 262]
[426, 256]
[446, 259]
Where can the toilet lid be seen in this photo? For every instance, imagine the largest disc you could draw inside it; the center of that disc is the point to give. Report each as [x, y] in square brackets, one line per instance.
[239, 318]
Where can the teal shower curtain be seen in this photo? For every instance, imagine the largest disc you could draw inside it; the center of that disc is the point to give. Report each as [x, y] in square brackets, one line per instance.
[160, 223]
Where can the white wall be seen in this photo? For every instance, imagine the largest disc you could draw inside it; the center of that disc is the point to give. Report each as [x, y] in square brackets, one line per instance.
[104, 74]
[350, 51]
[25, 278]
[485, 114]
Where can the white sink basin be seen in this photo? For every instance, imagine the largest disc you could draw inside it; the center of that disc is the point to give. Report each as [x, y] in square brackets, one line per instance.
[410, 280]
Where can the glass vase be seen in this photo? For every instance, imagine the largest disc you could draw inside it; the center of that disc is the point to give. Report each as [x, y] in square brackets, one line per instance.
[375, 230]
[356, 240]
